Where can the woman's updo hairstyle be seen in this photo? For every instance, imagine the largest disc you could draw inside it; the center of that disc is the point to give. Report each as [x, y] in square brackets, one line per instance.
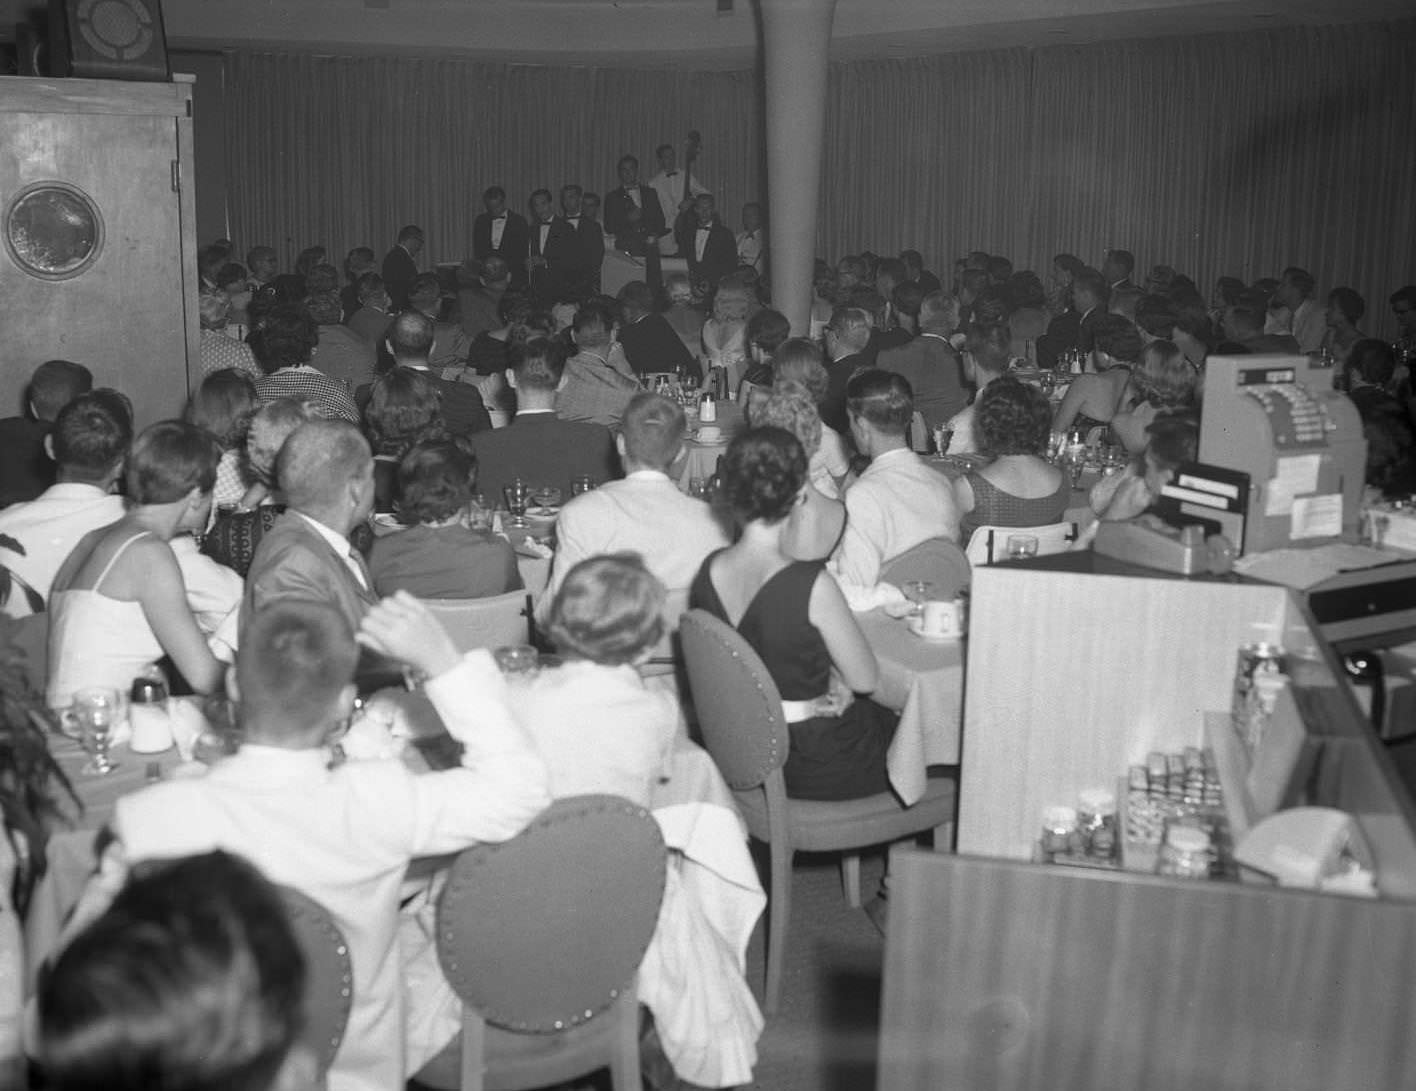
[609, 610]
[763, 472]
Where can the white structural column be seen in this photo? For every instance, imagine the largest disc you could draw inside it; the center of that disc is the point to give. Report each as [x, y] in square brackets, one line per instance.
[796, 40]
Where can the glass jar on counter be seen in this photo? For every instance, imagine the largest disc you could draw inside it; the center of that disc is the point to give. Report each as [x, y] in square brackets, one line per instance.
[1096, 820]
[1060, 835]
[1186, 853]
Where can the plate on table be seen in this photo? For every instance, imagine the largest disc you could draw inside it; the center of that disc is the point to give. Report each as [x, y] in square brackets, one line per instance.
[713, 441]
[915, 625]
[538, 512]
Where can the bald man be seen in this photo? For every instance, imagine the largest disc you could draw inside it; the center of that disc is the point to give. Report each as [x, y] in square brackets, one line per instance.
[327, 471]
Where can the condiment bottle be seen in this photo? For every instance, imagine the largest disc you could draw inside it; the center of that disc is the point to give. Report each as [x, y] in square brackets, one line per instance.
[1059, 832]
[1096, 818]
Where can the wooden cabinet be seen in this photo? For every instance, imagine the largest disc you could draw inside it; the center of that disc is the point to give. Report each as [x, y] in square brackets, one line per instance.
[98, 264]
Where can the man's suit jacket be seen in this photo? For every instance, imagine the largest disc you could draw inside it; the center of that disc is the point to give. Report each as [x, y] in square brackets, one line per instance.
[935, 374]
[619, 204]
[463, 410]
[651, 345]
[542, 449]
[548, 282]
[1086, 329]
[515, 243]
[719, 254]
[399, 269]
[583, 272]
[833, 406]
[294, 562]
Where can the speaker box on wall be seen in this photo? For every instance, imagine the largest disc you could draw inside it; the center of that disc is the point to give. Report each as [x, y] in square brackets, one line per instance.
[108, 40]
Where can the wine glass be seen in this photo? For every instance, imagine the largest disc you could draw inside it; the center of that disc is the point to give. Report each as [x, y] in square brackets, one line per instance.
[917, 591]
[582, 484]
[517, 495]
[518, 661]
[95, 709]
[547, 497]
[1021, 546]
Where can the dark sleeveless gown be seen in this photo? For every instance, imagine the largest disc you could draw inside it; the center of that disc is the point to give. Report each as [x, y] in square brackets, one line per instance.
[831, 757]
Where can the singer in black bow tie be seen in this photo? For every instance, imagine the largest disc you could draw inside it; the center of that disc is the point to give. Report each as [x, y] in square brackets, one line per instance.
[501, 233]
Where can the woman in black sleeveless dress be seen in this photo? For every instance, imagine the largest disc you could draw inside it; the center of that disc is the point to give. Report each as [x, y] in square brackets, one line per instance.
[795, 617]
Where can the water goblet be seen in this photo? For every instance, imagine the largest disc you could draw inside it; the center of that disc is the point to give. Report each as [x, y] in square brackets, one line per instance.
[479, 516]
[1021, 546]
[917, 591]
[698, 488]
[95, 709]
[547, 497]
[582, 484]
[517, 496]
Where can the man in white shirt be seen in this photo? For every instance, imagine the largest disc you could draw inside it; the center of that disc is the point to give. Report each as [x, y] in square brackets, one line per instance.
[668, 184]
[752, 239]
[1307, 320]
[898, 502]
[987, 358]
[89, 444]
[645, 513]
[343, 836]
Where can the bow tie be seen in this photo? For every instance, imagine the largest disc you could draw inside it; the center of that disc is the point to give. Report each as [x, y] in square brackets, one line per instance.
[499, 216]
[573, 220]
[671, 174]
[705, 227]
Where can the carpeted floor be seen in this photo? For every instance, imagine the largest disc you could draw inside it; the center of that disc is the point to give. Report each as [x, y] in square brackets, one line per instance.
[824, 1037]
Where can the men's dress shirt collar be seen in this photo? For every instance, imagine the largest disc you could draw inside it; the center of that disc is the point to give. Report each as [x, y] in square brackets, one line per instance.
[535, 413]
[588, 354]
[646, 475]
[73, 490]
[340, 544]
[574, 221]
[896, 454]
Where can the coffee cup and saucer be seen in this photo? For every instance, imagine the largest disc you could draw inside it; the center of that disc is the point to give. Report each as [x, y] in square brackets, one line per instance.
[938, 622]
[709, 433]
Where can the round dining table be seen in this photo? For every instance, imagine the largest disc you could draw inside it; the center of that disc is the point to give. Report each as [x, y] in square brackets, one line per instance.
[701, 456]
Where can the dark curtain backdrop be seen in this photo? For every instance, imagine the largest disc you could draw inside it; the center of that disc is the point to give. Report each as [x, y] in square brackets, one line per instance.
[1214, 154]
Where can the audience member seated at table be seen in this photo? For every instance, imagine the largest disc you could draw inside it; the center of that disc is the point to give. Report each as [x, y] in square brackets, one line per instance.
[1391, 446]
[1027, 313]
[538, 446]
[327, 473]
[799, 361]
[372, 319]
[235, 534]
[898, 502]
[340, 352]
[1094, 397]
[224, 405]
[26, 469]
[929, 363]
[1243, 326]
[597, 726]
[1172, 439]
[1162, 380]
[439, 556]
[1345, 309]
[686, 319]
[725, 332]
[598, 384]
[481, 287]
[767, 331]
[816, 523]
[404, 407]
[650, 344]
[119, 603]
[89, 442]
[358, 823]
[795, 617]
[845, 340]
[192, 978]
[1018, 487]
[987, 356]
[517, 320]
[217, 348]
[284, 342]
[410, 340]
[645, 513]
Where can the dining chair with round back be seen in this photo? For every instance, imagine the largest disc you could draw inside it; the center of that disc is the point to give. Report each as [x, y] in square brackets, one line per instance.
[541, 938]
[989, 544]
[329, 974]
[484, 623]
[740, 715]
[937, 561]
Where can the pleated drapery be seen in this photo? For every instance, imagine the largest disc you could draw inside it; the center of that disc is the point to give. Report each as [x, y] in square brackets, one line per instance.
[1217, 154]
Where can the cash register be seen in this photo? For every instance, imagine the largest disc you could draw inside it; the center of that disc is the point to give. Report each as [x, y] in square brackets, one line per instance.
[1278, 420]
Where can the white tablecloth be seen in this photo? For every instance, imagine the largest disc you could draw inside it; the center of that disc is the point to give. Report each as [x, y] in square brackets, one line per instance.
[923, 680]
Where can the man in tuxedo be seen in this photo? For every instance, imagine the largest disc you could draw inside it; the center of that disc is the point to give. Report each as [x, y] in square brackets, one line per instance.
[633, 212]
[400, 265]
[327, 473]
[669, 185]
[538, 446]
[708, 245]
[582, 270]
[552, 243]
[410, 340]
[1090, 296]
[847, 335]
[503, 233]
